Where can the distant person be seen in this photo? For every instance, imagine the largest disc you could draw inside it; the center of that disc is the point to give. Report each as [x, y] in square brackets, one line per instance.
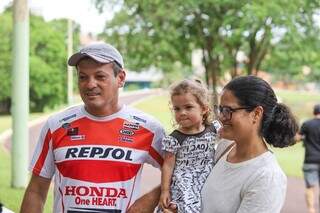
[310, 133]
[246, 177]
[95, 151]
[189, 150]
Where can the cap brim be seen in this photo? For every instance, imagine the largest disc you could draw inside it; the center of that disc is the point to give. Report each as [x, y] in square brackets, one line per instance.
[77, 57]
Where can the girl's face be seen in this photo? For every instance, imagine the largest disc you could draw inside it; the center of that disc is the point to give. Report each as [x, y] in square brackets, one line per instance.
[188, 112]
[238, 124]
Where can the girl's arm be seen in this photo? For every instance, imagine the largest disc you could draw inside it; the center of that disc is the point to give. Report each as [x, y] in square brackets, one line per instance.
[166, 175]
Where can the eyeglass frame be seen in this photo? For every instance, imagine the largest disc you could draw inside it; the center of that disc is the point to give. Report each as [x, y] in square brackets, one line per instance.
[219, 110]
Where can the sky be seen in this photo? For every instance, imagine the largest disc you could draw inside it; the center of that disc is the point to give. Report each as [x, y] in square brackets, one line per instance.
[81, 11]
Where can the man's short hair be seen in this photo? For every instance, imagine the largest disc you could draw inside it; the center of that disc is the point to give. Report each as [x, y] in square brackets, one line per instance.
[100, 52]
[316, 109]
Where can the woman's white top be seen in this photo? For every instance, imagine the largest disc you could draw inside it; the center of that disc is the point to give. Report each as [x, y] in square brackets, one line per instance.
[257, 185]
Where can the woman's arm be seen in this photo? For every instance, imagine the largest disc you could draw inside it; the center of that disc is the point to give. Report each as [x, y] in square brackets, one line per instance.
[166, 175]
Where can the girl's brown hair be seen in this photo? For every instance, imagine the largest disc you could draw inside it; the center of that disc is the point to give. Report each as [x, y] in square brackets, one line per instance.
[198, 90]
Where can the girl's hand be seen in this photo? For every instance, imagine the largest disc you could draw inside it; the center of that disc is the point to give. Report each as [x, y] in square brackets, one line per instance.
[165, 199]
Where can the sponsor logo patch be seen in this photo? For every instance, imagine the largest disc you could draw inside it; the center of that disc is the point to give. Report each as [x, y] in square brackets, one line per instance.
[73, 131]
[126, 139]
[67, 118]
[77, 137]
[139, 119]
[131, 125]
[66, 125]
[126, 132]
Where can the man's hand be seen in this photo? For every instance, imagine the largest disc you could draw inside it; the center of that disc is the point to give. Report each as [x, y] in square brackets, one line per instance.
[147, 203]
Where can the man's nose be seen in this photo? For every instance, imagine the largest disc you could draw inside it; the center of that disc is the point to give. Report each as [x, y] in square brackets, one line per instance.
[92, 83]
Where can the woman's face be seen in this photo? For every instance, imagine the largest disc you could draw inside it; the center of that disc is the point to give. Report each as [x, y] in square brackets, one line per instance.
[237, 122]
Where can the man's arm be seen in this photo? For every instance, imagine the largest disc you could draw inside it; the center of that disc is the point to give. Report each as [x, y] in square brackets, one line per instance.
[147, 203]
[35, 195]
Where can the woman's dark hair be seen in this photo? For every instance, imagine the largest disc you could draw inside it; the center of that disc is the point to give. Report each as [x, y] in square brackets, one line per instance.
[278, 125]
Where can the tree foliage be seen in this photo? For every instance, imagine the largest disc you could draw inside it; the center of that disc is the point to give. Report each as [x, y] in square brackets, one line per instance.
[163, 33]
[48, 57]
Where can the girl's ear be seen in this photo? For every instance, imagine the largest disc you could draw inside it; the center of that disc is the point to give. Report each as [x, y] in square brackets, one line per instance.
[205, 109]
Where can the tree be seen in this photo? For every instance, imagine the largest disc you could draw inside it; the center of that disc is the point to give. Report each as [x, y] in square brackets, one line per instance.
[5, 60]
[48, 56]
[165, 33]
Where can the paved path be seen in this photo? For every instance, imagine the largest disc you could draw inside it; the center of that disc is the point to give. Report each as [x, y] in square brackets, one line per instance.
[295, 202]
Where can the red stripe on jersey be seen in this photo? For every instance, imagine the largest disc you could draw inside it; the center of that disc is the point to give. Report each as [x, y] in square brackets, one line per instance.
[155, 155]
[99, 171]
[43, 155]
[104, 133]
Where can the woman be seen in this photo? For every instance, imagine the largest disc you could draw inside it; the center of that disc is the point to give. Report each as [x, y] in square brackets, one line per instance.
[247, 177]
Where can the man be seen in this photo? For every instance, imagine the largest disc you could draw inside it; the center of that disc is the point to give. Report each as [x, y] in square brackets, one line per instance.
[95, 151]
[310, 133]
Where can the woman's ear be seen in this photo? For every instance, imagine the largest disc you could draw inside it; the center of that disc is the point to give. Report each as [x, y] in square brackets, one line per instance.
[257, 114]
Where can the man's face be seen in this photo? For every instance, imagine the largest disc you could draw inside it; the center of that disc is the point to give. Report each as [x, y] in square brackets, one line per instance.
[99, 87]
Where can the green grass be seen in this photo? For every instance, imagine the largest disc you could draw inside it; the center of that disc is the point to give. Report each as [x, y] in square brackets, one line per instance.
[11, 197]
[6, 120]
[158, 107]
[290, 159]
[301, 103]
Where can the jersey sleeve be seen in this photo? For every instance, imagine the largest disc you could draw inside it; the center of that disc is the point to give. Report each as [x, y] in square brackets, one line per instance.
[265, 193]
[155, 152]
[42, 163]
[170, 144]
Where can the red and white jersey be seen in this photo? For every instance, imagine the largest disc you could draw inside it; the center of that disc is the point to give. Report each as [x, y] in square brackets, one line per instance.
[97, 161]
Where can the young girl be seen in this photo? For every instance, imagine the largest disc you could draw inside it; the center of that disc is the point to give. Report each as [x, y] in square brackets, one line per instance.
[189, 150]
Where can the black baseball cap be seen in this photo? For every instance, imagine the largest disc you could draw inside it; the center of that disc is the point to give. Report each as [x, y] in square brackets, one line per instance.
[316, 109]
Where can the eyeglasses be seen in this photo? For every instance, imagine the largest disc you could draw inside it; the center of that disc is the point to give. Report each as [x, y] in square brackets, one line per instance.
[227, 111]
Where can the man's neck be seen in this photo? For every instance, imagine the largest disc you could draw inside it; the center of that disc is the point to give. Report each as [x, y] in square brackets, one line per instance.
[105, 112]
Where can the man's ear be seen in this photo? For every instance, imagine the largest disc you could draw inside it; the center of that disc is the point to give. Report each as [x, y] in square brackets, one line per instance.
[121, 78]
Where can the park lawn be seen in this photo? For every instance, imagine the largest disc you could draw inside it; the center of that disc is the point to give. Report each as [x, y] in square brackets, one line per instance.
[158, 106]
[301, 103]
[6, 120]
[10, 197]
[290, 159]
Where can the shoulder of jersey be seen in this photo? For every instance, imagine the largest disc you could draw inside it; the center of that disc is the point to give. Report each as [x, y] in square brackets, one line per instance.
[65, 116]
[138, 116]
